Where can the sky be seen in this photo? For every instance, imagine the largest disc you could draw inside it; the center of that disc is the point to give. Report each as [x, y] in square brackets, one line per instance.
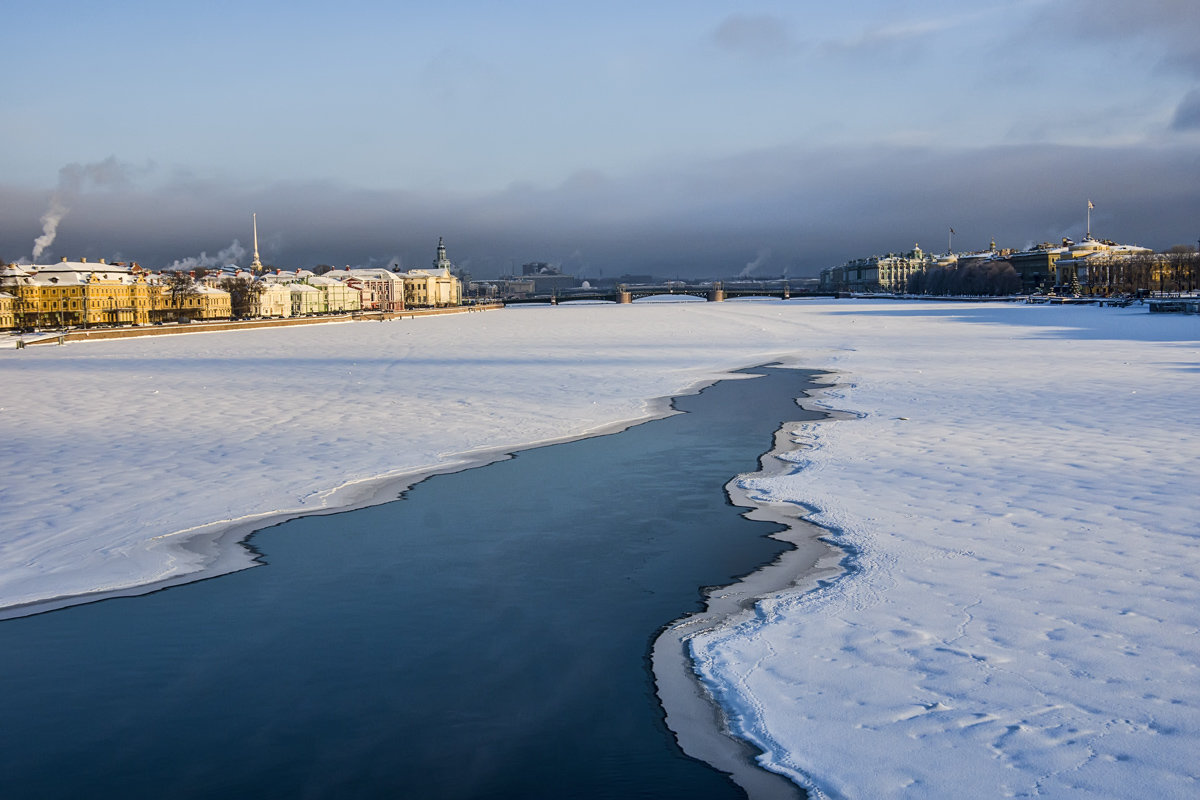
[682, 139]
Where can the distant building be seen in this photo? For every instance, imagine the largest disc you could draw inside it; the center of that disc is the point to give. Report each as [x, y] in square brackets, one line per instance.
[539, 268]
[380, 289]
[336, 297]
[435, 287]
[1036, 266]
[385, 290]
[208, 303]
[508, 287]
[274, 300]
[889, 273]
[546, 278]
[1103, 267]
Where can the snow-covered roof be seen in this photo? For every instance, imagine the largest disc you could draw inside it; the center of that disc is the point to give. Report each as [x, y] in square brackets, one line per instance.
[1087, 246]
[365, 274]
[13, 271]
[80, 266]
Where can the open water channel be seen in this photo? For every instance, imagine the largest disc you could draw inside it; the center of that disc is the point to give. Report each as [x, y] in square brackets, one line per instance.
[488, 635]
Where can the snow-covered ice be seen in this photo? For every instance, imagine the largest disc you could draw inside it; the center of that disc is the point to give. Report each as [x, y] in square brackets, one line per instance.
[1015, 484]
[1018, 498]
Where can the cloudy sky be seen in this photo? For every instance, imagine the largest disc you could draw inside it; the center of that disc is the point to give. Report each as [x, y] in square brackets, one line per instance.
[678, 138]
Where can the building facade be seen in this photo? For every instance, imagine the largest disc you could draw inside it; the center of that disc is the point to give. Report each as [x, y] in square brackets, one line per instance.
[77, 293]
[889, 273]
[1102, 267]
[8, 318]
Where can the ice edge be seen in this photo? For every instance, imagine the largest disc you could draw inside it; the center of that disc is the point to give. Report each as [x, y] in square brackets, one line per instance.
[705, 723]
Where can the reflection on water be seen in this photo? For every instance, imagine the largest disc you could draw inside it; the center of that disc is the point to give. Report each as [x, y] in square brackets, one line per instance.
[487, 636]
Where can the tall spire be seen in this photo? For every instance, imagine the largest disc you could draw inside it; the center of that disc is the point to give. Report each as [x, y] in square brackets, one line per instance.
[255, 265]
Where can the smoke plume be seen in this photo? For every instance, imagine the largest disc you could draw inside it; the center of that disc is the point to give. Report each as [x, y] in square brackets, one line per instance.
[49, 220]
[763, 256]
[230, 256]
[73, 179]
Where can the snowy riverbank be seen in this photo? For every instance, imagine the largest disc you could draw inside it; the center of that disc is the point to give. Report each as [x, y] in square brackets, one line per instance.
[1019, 616]
[1016, 485]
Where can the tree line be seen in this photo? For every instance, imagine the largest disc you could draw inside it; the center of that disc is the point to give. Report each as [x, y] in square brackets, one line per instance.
[1176, 270]
[989, 278]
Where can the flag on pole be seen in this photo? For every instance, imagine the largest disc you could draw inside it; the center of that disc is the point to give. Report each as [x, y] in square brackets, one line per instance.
[952, 230]
[1090, 206]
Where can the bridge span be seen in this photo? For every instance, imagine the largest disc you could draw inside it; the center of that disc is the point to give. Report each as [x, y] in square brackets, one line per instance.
[715, 292]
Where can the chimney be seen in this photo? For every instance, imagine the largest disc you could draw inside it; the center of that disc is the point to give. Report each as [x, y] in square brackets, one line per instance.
[82, 260]
[102, 261]
[63, 260]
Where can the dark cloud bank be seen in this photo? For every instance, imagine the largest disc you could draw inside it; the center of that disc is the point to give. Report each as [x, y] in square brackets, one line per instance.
[788, 210]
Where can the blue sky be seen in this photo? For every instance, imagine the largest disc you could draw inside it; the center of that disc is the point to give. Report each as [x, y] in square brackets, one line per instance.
[666, 137]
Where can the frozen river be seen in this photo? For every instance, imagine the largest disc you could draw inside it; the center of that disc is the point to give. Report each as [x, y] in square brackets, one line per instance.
[1015, 483]
[487, 635]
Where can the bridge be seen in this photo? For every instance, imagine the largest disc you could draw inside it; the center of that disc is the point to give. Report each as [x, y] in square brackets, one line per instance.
[714, 292]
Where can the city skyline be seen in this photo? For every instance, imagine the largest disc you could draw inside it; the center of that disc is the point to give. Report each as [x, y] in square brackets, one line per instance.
[678, 140]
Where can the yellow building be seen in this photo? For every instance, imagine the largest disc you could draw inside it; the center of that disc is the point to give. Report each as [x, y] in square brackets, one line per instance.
[432, 287]
[8, 319]
[195, 302]
[76, 293]
[1104, 267]
[426, 288]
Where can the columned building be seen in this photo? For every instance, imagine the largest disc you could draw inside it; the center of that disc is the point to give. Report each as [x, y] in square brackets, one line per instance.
[1105, 267]
[889, 273]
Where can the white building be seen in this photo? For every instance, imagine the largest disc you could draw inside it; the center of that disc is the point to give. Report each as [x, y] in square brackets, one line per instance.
[379, 289]
[339, 296]
[306, 300]
[433, 287]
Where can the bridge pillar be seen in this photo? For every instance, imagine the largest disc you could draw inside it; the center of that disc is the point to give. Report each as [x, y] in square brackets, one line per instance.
[623, 295]
[717, 293]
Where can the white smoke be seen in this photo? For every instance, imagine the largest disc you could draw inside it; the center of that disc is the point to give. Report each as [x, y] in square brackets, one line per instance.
[54, 215]
[73, 179]
[230, 256]
[763, 256]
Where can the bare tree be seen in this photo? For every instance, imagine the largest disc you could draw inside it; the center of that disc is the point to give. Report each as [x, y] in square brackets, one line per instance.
[181, 287]
[1181, 265]
[243, 295]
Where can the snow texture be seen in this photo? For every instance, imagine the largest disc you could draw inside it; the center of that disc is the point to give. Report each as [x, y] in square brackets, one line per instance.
[1014, 489]
[1016, 498]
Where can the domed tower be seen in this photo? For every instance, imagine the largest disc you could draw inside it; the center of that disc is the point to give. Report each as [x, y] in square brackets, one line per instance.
[441, 262]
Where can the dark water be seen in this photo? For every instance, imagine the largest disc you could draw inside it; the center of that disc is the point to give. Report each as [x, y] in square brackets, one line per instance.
[486, 636]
